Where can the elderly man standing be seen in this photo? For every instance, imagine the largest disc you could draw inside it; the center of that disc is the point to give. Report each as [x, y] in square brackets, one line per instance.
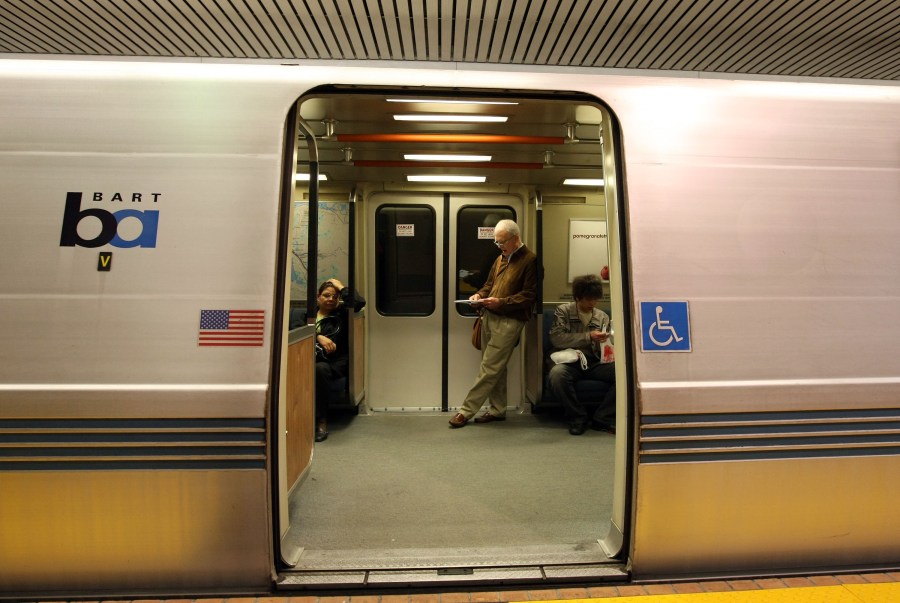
[507, 298]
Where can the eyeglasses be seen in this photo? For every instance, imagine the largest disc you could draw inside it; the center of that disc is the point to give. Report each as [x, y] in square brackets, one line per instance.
[501, 243]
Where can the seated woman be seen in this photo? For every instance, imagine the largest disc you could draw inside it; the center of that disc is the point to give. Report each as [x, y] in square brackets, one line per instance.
[332, 343]
[579, 325]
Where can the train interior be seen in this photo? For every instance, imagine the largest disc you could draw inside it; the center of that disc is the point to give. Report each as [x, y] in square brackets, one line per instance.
[395, 192]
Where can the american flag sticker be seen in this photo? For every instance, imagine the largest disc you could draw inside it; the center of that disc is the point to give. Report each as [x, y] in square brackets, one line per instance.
[236, 328]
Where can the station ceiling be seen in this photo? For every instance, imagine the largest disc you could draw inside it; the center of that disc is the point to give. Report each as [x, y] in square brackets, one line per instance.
[856, 39]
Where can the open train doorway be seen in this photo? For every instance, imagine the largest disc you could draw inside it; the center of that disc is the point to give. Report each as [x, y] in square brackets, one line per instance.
[417, 183]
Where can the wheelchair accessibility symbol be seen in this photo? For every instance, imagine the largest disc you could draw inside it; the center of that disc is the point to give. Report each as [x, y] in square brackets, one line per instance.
[665, 327]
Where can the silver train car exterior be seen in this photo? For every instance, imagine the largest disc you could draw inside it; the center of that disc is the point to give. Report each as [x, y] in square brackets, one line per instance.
[135, 460]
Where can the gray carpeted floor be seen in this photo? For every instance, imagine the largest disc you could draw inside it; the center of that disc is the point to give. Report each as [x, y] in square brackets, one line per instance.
[406, 481]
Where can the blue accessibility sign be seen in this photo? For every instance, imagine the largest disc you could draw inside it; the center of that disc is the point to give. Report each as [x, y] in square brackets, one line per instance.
[665, 327]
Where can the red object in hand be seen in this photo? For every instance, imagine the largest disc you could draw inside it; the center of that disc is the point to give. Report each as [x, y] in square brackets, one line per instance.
[604, 273]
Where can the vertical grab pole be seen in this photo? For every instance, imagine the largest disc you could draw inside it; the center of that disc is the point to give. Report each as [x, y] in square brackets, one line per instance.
[539, 300]
[539, 250]
[312, 268]
[353, 385]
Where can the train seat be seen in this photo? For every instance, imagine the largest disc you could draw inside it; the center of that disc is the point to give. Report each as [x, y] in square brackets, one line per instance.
[339, 389]
[588, 391]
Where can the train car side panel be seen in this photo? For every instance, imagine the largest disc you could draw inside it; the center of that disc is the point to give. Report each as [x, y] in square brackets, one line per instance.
[771, 439]
[135, 457]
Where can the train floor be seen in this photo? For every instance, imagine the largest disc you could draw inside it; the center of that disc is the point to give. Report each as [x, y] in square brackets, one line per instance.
[406, 481]
[883, 587]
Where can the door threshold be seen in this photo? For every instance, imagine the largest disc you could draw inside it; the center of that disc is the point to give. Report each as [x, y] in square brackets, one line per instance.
[386, 568]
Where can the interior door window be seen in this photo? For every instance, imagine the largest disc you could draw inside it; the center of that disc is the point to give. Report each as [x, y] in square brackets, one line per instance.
[405, 260]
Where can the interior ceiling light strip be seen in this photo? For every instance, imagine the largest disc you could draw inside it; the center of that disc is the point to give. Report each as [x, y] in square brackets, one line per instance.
[443, 164]
[448, 101]
[444, 178]
[464, 138]
[583, 181]
[437, 157]
[446, 117]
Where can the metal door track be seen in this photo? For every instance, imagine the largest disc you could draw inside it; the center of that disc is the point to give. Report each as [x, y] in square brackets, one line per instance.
[484, 576]
[585, 562]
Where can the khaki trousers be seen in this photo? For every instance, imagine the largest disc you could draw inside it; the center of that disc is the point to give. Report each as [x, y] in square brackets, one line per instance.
[499, 335]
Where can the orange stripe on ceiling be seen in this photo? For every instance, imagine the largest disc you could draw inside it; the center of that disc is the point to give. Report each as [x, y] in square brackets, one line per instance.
[445, 164]
[468, 138]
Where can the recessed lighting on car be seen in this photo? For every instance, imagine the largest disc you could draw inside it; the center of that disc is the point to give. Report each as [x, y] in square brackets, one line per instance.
[445, 117]
[425, 157]
[445, 178]
[583, 181]
[448, 102]
[305, 177]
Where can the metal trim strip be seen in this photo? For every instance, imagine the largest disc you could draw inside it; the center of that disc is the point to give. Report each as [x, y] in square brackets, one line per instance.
[730, 435]
[129, 465]
[766, 455]
[777, 416]
[769, 435]
[69, 437]
[811, 442]
[154, 443]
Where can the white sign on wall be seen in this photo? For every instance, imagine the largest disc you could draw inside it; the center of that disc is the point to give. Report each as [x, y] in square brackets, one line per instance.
[406, 230]
[486, 232]
[588, 247]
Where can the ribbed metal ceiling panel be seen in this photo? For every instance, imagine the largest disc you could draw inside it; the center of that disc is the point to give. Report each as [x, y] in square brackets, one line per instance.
[809, 38]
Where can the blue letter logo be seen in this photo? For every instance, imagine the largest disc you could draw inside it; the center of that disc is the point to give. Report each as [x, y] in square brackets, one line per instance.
[109, 226]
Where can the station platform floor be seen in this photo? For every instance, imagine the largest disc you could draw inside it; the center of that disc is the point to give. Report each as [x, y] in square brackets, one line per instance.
[882, 587]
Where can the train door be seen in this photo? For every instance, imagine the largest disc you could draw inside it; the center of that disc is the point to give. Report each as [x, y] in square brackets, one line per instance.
[421, 251]
[426, 252]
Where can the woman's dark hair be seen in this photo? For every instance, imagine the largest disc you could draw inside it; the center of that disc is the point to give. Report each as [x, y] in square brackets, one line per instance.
[587, 285]
[325, 285]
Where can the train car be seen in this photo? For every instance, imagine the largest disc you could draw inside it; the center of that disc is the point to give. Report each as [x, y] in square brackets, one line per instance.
[158, 241]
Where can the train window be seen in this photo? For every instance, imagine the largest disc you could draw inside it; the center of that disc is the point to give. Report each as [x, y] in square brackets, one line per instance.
[475, 249]
[405, 260]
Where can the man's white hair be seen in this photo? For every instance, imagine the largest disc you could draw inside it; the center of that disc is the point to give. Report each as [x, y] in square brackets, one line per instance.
[508, 226]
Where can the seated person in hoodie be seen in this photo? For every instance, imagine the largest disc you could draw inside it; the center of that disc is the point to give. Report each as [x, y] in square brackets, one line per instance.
[580, 326]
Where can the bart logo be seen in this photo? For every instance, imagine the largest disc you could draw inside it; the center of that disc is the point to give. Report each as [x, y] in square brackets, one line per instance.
[109, 222]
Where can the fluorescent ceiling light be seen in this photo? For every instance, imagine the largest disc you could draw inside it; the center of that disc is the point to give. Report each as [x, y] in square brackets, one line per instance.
[448, 102]
[305, 177]
[584, 181]
[424, 157]
[444, 178]
[450, 117]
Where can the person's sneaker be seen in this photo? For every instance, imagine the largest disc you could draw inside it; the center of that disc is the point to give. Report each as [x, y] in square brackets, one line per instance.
[598, 426]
